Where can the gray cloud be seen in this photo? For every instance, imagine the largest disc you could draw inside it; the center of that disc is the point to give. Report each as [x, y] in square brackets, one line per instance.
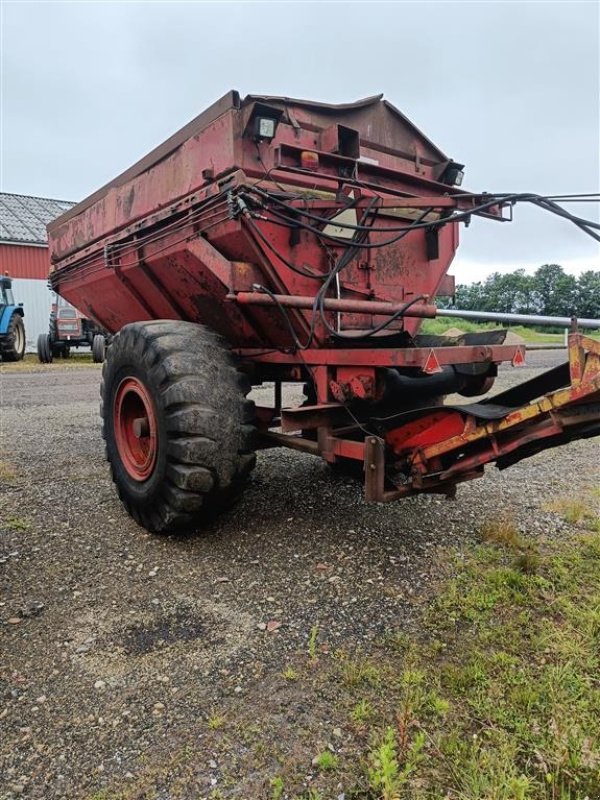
[511, 89]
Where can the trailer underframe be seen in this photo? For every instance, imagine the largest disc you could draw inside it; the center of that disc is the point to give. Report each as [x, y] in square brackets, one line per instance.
[433, 449]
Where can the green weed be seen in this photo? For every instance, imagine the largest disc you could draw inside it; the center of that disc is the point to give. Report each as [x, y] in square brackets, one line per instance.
[277, 787]
[7, 471]
[387, 774]
[360, 671]
[216, 721]
[312, 794]
[570, 509]
[578, 509]
[312, 642]
[362, 712]
[501, 531]
[17, 523]
[326, 761]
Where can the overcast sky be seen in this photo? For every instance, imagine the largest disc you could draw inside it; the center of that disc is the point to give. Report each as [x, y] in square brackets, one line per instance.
[511, 89]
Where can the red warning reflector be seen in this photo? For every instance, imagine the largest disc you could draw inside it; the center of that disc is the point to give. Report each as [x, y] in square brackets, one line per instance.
[519, 357]
[431, 365]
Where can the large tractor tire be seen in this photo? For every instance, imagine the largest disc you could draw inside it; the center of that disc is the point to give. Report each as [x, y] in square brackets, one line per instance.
[98, 348]
[178, 428]
[12, 345]
[44, 349]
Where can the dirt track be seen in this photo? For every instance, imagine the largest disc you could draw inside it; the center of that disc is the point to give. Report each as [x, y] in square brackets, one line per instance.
[119, 650]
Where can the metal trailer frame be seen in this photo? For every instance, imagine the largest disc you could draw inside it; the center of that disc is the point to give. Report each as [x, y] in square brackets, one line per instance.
[194, 232]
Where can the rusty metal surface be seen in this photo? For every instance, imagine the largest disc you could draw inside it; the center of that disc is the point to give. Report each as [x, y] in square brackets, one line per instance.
[376, 119]
[333, 304]
[229, 100]
[206, 136]
[415, 357]
[198, 230]
[141, 241]
[312, 417]
[556, 417]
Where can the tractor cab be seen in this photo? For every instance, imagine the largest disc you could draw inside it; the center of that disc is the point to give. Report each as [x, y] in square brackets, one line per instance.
[6, 293]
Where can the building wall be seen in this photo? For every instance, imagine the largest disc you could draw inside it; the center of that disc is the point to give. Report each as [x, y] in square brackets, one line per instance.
[37, 301]
[28, 266]
[24, 261]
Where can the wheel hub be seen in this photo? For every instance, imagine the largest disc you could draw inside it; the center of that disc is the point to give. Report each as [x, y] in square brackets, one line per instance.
[135, 428]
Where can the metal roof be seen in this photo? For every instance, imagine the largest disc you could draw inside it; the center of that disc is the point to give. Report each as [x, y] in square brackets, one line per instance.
[23, 219]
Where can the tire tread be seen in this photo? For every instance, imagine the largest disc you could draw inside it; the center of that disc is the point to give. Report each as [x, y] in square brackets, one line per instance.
[208, 419]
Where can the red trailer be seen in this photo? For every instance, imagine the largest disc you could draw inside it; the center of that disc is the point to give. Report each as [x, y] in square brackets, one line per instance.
[277, 240]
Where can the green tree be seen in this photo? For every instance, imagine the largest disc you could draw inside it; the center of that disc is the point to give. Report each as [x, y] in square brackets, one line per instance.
[554, 291]
[524, 288]
[468, 297]
[509, 293]
[549, 291]
[587, 294]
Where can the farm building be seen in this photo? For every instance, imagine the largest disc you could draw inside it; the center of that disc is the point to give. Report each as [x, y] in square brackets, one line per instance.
[24, 255]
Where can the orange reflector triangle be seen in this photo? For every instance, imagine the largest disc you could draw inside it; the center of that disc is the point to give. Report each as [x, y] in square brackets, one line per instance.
[519, 357]
[431, 365]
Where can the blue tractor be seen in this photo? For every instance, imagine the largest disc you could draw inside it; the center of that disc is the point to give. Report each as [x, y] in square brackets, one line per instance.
[12, 328]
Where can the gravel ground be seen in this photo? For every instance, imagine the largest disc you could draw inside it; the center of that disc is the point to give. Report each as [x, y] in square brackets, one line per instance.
[119, 650]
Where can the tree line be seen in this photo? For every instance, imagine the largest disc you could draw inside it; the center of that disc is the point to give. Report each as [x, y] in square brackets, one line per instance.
[549, 291]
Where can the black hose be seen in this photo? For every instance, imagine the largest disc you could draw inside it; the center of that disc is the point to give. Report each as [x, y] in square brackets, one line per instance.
[285, 315]
[539, 200]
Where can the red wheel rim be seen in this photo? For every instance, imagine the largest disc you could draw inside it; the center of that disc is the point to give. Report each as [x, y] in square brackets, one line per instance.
[135, 428]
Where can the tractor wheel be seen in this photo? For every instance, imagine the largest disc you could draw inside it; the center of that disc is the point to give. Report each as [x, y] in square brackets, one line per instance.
[44, 349]
[98, 348]
[13, 344]
[177, 425]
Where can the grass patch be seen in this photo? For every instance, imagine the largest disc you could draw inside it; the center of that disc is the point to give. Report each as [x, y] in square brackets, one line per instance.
[582, 511]
[8, 472]
[312, 642]
[215, 721]
[31, 363]
[277, 787]
[362, 712]
[326, 761]
[508, 708]
[357, 672]
[441, 324]
[289, 674]
[495, 697]
[575, 510]
[501, 531]
[17, 523]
